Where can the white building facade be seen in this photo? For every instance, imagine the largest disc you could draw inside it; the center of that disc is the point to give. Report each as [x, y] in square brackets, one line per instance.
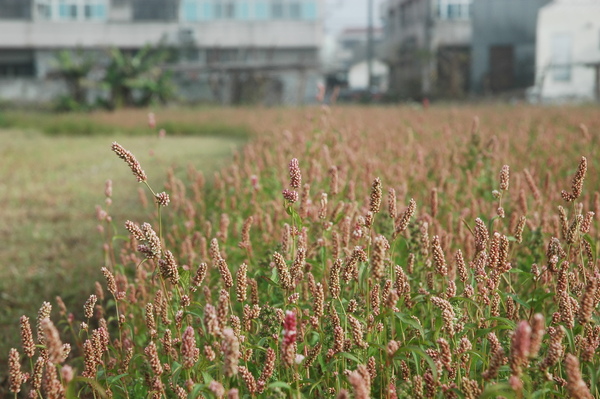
[223, 41]
[568, 51]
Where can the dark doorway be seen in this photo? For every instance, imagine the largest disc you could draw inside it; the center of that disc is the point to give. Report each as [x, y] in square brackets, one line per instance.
[453, 64]
[502, 74]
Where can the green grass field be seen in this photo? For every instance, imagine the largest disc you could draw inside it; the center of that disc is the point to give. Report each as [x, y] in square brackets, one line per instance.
[49, 188]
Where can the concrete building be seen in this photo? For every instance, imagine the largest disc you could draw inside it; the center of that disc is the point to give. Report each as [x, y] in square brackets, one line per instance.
[347, 67]
[231, 51]
[427, 47]
[503, 45]
[568, 51]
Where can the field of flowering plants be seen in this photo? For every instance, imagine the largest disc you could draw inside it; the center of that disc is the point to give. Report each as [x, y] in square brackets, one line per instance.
[346, 253]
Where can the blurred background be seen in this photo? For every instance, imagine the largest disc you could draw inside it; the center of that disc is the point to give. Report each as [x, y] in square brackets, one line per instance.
[113, 53]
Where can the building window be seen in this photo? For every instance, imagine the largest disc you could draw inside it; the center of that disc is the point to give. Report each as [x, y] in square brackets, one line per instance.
[243, 10]
[67, 10]
[277, 9]
[94, 10]
[218, 10]
[454, 9]
[309, 10]
[224, 9]
[190, 10]
[261, 11]
[295, 10]
[16, 63]
[229, 9]
[561, 57]
[44, 11]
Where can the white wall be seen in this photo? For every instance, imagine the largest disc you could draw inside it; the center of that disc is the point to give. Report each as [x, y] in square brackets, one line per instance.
[358, 75]
[568, 33]
[42, 34]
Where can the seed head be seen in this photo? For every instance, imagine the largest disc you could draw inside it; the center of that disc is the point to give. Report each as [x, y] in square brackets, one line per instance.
[225, 273]
[481, 235]
[577, 184]
[290, 195]
[359, 385]
[284, 275]
[376, 195]
[380, 246]
[404, 219]
[242, 283]
[130, 159]
[162, 199]
[588, 301]
[520, 345]
[152, 355]
[168, 267]
[267, 371]
[357, 332]
[199, 276]
[189, 352]
[248, 379]
[575, 384]
[504, 176]
[15, 376]
[323, 206]
[231, 350]
[295, 175]
[438, 256]
[88, 308]
[27, 337]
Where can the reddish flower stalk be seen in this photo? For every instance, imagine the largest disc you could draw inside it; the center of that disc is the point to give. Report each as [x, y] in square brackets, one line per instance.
[288, 343]
[15, 376]
[577, 184]
[575, 384]
[189, 352]
[295, 175]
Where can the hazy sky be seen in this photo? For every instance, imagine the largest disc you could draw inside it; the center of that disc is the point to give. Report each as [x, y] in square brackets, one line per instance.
[340, 14]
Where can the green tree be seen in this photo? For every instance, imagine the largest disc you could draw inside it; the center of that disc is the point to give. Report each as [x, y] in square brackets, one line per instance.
[140, 78]
[74, 69]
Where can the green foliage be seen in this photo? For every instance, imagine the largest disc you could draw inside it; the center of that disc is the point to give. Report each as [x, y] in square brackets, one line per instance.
[74, 69]
[138, 79]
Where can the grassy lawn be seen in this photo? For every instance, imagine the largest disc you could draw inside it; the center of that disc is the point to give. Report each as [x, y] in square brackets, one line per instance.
[49, 188]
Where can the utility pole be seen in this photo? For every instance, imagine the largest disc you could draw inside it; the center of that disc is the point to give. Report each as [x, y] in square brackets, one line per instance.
[370, 42]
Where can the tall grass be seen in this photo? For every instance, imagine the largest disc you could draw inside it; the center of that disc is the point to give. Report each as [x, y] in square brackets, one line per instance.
[387, 253]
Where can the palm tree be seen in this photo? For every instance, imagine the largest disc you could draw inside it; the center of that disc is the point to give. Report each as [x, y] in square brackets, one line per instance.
[138, 79]
[74, 71]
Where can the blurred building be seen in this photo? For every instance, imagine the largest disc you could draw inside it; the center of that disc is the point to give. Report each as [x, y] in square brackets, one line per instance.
[427, 45]
[348, 65]
[503, 45]
[568, 51]
[232, 51]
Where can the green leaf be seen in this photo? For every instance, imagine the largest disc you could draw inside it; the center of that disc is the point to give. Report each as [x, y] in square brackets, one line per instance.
[411, 323]
[593, 243]
[541, 393]
[350, 356]
[505, 324]
[519, 301]
[112, 380]
[196, 390]
[417, 351]
[464, 299]
[206, 377]
[499, 389]
[280, 384]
